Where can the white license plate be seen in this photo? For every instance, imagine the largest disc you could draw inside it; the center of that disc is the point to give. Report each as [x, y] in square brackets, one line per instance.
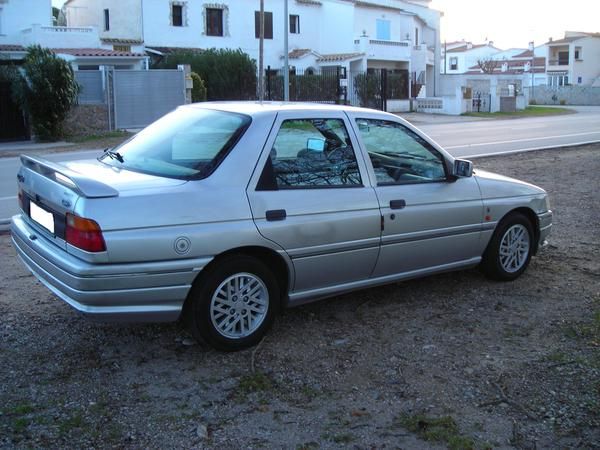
[41, 216]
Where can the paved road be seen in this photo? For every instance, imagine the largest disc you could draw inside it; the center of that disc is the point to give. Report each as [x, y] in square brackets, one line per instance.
[461, 138]
[468, 139]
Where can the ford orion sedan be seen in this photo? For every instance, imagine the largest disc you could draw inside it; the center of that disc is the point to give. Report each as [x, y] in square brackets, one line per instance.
[223, 213]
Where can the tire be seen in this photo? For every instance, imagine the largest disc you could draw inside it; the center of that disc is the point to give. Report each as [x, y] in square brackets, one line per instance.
[509, 251]
[219, 311]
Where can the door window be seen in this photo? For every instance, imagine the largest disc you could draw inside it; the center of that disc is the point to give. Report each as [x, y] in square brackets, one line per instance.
[311, 153]
[398, 155]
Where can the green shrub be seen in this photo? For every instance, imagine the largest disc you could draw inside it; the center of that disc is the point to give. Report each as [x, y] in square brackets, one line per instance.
[198, 89]
[227, 74]
[532, 102]
[563, 102]
[46, 89]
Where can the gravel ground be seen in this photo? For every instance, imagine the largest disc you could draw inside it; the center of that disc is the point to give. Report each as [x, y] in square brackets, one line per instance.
[453, 360]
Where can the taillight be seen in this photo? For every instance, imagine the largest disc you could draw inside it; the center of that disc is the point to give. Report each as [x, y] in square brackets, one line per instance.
[84, 234]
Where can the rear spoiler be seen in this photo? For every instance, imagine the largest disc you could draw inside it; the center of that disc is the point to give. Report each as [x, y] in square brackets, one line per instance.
[83, 185]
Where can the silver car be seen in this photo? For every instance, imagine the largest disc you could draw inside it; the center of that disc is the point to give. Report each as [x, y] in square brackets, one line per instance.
[223, 213]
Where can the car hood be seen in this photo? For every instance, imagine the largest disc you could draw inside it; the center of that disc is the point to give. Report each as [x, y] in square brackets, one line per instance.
[120, 179]
[493, 185]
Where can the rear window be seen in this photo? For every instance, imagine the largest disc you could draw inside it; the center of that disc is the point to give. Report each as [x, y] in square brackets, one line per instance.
[186, 143]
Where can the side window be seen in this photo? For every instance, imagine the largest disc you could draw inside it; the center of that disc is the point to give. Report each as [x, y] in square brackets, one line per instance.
[311, 153]
[398, 155]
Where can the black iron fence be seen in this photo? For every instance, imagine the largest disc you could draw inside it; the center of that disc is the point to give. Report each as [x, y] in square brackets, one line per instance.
[371, 89]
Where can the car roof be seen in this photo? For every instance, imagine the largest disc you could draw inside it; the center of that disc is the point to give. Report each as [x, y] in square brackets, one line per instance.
[256, 107]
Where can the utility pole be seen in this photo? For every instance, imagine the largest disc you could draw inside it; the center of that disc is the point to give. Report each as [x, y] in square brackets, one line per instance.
[261, 56]
[286, 65]
[532, 66]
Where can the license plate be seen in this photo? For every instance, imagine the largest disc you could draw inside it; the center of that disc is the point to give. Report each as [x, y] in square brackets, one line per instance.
[41, 216]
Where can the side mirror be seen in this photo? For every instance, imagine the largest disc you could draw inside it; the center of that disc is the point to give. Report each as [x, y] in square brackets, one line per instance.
[315, 144]
[462, 168]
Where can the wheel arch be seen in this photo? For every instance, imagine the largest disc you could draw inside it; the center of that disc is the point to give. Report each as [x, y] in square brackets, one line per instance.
[533, 219]
[271, 258]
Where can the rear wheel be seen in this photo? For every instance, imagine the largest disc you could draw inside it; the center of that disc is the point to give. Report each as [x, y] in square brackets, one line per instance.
[509, 252]
[234, 304]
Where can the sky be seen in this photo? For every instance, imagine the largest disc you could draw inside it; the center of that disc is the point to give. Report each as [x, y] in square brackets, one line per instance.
[514, 23]
[510, 23]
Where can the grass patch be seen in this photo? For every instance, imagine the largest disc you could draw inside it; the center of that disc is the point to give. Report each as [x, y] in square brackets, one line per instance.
[344, 438]
[75, 421]
[530, 111]
[437, 429]
[256, 382]
[22, 409]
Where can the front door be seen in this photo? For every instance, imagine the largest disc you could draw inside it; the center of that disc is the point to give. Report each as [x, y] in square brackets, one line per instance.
[430, 219]
[309, 196]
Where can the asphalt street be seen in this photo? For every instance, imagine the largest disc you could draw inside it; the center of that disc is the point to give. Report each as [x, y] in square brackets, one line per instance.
[462, 138]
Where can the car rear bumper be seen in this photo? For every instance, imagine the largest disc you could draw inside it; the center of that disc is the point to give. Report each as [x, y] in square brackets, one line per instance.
[135, 292]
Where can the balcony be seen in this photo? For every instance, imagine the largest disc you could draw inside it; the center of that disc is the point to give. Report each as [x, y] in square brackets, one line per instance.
[557, 63]
[384, 50]
[60, 37]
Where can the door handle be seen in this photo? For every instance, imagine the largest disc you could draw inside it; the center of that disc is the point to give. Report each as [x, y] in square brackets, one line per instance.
[397, 204]
[276, 214]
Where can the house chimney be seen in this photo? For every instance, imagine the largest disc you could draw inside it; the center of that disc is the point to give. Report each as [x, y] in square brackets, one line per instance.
[550, 39]
[531, 47]
[469, 45]
[491, 43]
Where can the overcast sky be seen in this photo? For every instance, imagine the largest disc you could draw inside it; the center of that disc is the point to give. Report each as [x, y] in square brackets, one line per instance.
[510, 23]
[513, 23]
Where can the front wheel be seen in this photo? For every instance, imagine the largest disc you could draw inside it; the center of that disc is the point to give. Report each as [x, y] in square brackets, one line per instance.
[509, 252]
[234, 304]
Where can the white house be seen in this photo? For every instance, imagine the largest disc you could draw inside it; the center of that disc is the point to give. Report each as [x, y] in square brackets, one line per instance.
[458, 57]
[575, 59]
[28, 23]
[358, 35]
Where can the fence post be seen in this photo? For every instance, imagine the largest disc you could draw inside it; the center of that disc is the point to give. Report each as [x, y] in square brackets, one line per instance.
[269, 82]
[384, 89]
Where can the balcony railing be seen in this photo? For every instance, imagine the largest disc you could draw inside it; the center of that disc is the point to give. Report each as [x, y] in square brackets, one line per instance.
[558, 62]
[392, 43]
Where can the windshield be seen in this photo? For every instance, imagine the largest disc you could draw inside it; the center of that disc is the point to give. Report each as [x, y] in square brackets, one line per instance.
[186, 143]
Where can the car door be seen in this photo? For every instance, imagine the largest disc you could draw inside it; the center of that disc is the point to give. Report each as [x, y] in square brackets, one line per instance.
[430, 218]
[309, 196]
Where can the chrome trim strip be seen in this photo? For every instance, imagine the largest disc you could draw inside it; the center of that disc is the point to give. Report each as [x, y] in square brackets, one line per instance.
[300, 298]
[338, 247]
[432, 234]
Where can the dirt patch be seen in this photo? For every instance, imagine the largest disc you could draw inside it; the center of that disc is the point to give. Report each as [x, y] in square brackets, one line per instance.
[453, 360]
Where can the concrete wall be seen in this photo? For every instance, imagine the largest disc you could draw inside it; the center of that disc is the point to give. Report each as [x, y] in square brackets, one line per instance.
[85, 120]
[572, 95]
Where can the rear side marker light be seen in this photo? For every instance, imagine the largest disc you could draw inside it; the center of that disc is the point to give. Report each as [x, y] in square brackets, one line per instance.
[84, 234]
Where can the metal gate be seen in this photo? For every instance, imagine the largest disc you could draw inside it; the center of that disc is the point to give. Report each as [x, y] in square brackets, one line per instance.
[482, 102]
[373, 88]
[137, 98]
[13, 125]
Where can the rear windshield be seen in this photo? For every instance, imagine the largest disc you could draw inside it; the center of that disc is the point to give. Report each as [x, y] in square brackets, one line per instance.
[186, 143]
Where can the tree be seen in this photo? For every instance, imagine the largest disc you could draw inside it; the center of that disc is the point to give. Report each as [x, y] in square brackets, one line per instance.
[46, 88]
[198, 89]
[487, 65]
[227, 74]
